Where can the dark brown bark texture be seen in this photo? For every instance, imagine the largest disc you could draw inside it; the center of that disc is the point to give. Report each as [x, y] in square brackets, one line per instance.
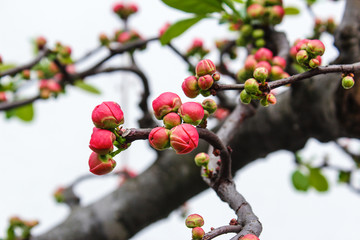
[315, 108]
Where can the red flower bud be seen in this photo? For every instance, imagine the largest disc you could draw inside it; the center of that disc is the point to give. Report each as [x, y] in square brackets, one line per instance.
[276, 14]
[204, 67]
[190, 87]
[171, 120]
[159, 138]
[107, 115]
[101, 141]
[250, 63]
[293, 52]
[314, 63]
[184, 138]
[209, 105]
[194, 220]
[255, 11]
[118, 7]
[133, 7]
[124, 37]
[221, 113]
[249, 237]
[101, 164]
[164, 28]
[263, 54]
[302, 57]
[264, 64]
[315, 47]
[301, 45]
[216, 76]
[191, 112]
[3, 97]
[197, 233]
[165, 103]
[26, 74]
[205, 82]
[270, 98]
[40, 42]
[279, 61]
[276, 72]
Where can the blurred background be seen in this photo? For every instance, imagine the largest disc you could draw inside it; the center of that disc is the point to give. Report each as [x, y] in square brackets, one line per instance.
[52, 150]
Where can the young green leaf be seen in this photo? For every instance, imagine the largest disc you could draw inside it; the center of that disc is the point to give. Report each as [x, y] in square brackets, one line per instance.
[291, 11]
[25, 113]
[178, 28]
[87, 87]
[300, 181]
[318, 180]
[195, 6]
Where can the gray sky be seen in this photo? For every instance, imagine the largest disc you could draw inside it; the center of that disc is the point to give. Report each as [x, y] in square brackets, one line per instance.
[53, 149]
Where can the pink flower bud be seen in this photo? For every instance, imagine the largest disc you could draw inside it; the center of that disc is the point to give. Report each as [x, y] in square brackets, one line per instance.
[293, 52]
[249, 237]
[270, 98]
[301, 45]
[133, 7]
[124, 37]
[101, 141]
[165, 103]
[250, 63]
[190, 87]
[264, 64]
[251, 86]
[216, 76]
[159, 138]
[59, 194]
[101, 164]
[197, 233]
[107, 115]
[197, 43]
[3, 97]
[164, 28]
[221, 113]
[53, 86]
[40, 42]
[26, 74]
[255, 11]
[191, 112]
[315, 47]
[204, 67]
[263, 54]
[118, 7]
[314, 63]
[302, 57]
[279, 61]
[205, 82]
[171, 120]
[184, 138]
[202, 159]
[261, 74]
[276, 72]
[276, 14]
[209, 105]
[194, 220]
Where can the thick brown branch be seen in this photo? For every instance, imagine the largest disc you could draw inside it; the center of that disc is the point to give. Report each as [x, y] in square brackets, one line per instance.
[11, 105]
[222, 230]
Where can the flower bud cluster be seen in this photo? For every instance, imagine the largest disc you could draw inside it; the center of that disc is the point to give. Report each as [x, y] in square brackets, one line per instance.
[308, 52]
[348, 82]
[107, 117]
[197, 49]
[321, 26]
[220, 45]
[124, 10]
[206, 75]
[179, 120]
[266, 11]
[195, 222]
[63, 53]
[49, 87]
[122, 37]
[251, 35]
[275, 65]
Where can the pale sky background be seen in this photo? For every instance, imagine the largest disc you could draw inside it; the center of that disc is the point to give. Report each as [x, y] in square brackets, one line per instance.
[53, 150]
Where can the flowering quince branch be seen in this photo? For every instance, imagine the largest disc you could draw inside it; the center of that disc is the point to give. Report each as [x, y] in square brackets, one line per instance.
[186, 59]
[344, 68]
[43, 53]
[222, 230]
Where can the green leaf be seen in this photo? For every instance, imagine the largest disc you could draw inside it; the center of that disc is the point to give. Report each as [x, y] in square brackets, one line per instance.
[195, 6]
[231, 5]
[4, 67]
[344, 177]
[291, 11]
[178, 28]
[239, 1]
[25, 113]
[87, 87]
[318, 180]
[300, 181]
